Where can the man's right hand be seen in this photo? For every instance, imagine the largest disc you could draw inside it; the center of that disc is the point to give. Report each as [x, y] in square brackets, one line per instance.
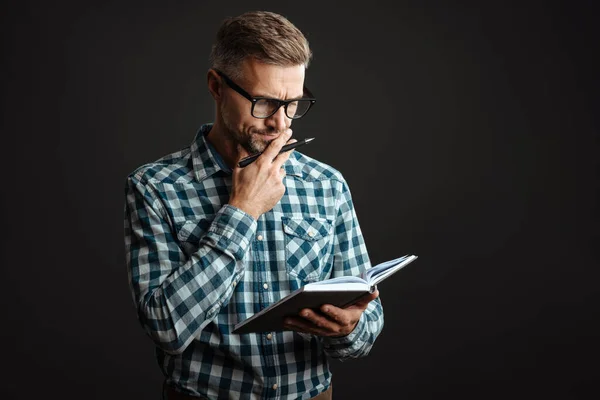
[257, 187]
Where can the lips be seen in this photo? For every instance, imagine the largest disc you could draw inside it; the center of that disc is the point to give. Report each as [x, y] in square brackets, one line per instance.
[268, 135]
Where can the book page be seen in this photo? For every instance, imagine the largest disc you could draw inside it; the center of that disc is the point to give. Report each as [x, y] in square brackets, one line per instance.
[371, 276]
[340, 279]
[391, 269]
[379, 268]
[345, 286]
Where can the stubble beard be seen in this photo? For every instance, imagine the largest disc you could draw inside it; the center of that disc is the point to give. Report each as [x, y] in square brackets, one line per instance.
[250, 141]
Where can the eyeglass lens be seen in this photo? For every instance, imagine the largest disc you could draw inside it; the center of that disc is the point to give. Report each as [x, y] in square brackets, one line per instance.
[265, 107]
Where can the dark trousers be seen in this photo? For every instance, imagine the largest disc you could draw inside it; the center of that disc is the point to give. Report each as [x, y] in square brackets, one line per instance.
[172, 394]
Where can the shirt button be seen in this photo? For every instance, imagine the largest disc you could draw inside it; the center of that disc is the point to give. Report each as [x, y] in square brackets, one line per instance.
[311, 233]
[275, 386]
[234, 283]
[266, 286]
[269, 336]
[259, 237]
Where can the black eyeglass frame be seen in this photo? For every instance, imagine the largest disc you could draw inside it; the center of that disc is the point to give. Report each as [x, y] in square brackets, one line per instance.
[280, 103]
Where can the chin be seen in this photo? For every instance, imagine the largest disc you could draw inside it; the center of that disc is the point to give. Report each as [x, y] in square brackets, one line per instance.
[259, 142]
[259, 145]
[252, 145]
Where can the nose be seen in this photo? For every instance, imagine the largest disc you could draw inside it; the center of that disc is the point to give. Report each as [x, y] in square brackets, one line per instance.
[278, 121]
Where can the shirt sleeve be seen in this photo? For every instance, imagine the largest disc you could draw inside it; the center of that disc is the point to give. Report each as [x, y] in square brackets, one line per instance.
[177, 296]
[351, 258]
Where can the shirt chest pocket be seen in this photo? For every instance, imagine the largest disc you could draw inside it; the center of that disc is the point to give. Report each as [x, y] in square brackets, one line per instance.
[308, 244]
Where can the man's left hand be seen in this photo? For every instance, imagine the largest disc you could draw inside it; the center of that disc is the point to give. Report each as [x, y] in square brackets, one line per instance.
[330, 320]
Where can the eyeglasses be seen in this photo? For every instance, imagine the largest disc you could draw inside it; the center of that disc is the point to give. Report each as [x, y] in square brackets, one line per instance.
[263, 107]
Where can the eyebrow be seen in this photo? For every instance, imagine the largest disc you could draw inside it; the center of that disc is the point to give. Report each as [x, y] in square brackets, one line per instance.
[267, 96]
[231, 82]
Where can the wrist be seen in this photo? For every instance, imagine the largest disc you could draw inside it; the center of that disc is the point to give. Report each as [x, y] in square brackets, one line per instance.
[243, 207]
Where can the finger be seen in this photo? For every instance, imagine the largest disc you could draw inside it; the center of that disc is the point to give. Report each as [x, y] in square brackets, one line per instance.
[334, 313]
[241, 153]
[323, 325]
[283, 157]
[275, 146]
[317, 318]
[295, 324]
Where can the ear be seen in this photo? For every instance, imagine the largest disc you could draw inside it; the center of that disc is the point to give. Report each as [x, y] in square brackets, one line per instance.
[214, 84]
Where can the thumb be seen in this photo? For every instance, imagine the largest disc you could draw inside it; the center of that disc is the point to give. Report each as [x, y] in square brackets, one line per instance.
[366, 299]
[241, 154]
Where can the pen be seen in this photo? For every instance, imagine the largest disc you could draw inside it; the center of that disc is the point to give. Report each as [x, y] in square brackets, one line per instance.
[250, 159]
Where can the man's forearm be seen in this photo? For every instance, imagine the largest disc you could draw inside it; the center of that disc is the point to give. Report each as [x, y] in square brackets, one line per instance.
[176, 295]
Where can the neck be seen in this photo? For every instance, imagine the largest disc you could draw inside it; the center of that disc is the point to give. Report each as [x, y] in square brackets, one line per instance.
[224, 143]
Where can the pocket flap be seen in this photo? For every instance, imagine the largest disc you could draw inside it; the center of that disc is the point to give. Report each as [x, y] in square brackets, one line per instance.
[307, 228]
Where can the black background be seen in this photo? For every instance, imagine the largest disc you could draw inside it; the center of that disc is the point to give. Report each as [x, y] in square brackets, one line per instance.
[468, 134]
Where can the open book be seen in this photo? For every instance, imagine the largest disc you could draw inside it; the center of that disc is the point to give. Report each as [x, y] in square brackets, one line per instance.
[342, 291]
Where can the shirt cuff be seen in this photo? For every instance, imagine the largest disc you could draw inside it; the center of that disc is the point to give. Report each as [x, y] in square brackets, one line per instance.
[346, 345]
[232, 230]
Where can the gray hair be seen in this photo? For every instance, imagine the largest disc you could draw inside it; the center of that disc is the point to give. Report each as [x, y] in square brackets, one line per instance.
[265, 36]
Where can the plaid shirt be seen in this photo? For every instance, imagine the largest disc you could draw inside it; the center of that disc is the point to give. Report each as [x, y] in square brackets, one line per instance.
[197, 266]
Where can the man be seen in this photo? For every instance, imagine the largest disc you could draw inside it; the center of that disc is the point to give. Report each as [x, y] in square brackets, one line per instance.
[209, 244]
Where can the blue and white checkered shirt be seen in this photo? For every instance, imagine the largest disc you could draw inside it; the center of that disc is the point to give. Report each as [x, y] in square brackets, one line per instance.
[197, 266]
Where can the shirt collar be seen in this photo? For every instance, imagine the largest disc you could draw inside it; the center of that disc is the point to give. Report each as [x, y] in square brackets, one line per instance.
[207, 161]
